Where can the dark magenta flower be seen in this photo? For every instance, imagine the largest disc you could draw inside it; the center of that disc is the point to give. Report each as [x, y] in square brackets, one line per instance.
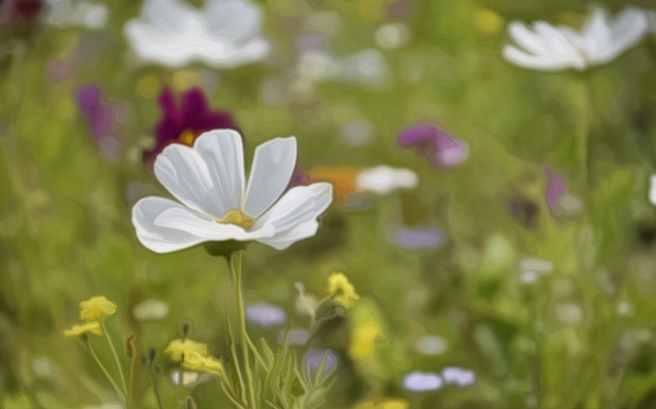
[185, 123]
[437, 146]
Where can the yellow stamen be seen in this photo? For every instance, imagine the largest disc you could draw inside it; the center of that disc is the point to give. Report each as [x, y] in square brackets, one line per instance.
[187, 137]
[237, 217]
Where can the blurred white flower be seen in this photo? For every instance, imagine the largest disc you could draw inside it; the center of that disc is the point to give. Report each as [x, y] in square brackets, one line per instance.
[224, 34]
[367, 68]
[63, 13]
[151, 310]
[384, 179]
[548, 48]
[392, 36]
[652, 189]
[188, 377]
[265, 315]
[431, 345]
[305, 304]
[530, 269]
[458, 376]
[422, 382]
[216, 203]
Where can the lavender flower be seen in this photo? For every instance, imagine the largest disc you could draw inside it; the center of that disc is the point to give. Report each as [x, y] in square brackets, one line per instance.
[422, 382]
[437, 146]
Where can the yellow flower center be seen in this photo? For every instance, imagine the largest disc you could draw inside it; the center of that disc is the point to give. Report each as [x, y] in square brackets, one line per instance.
[237, 217]
[187, 137]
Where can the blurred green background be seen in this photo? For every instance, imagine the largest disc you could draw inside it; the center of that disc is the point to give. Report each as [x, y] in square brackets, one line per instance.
[581, 336]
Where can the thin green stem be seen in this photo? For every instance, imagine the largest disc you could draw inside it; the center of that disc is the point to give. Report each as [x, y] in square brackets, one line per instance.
[153, 385]
[118, 391]
[235, 266]
[115, 355]
[130, 382]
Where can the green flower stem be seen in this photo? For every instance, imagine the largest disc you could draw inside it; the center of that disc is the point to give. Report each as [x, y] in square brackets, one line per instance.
[130, 382]
[235, 267]
[115, 355]
[118, 391]
[153, 384]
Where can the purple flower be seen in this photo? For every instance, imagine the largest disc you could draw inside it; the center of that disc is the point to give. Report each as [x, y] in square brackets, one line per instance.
[422, 382]
[436, 145]
[184, 123]
[458, 376]
[99, 117]
[557, 195]
[313, 358]
[265, 315]
[426, 238]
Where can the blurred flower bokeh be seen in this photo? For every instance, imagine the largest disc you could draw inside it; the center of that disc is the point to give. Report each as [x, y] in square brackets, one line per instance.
[453, 204]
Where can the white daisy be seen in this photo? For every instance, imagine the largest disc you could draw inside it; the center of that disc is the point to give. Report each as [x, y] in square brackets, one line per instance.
[224, 34]
[215, 202]
[545, 47]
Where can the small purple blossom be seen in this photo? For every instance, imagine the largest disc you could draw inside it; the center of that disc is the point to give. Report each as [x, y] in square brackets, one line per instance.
[557, 195]
[422, 382]
[313, 358]
[437, 146]
[425, 238]
[184, 123]
[294, 337]
[99, 116]
[265, 315]
[458, 376]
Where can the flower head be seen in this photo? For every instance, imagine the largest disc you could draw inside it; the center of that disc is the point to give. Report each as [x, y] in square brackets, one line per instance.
[96, 308]
[216, 202]
[224, 34]
[440, 148]
[344, 291]
[64, 13]
[547, 48]
[266, 315]
[92, 327]
[179, 347]
[185, 123]
[202, 362]
[422, 382]
[457, 376]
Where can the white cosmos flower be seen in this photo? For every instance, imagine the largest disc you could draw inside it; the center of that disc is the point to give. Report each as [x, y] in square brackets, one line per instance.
[545, 47]
[63, 13]
[216, 203]
[384, 179]
[225, 33]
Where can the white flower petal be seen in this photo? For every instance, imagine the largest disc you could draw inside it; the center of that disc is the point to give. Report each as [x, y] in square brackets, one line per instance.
[273, 165]
[164, 226]
[236, 20]
[526, 38]
[223, 153]
[523, 59]
[384, 179]
[294, 216]
[166, 15]
[185, 174]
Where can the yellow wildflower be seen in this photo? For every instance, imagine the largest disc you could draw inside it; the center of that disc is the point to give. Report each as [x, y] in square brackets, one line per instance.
[202, 362]
[90, 327]
[383, 404]
[178, 347]
[344, 291]
[96, 307]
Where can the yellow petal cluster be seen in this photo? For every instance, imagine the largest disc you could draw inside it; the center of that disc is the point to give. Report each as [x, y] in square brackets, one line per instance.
[89, 327]
[96, 308]
[178, 347]
[201, 362]
[196, 356]
[344, 291]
